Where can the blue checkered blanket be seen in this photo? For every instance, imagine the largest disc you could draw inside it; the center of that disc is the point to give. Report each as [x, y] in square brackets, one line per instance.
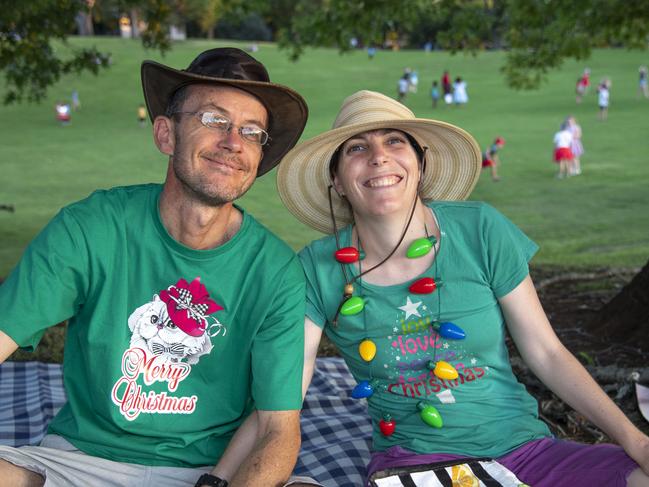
[335, 428]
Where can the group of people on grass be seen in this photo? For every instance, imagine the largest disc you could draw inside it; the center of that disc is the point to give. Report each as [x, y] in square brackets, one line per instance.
[193, 330]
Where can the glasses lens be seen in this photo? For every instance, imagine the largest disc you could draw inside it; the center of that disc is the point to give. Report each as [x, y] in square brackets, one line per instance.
[254, 134]
[215, 121]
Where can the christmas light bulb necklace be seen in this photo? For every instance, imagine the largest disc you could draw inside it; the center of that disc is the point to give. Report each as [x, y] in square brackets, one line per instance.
[442, 369]
[352, 305]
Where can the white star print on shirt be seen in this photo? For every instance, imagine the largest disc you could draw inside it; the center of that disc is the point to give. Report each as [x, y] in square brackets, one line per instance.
[410, 308]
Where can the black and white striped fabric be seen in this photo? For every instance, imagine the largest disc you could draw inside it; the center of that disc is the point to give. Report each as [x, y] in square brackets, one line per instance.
[477, 473]
[336, 429]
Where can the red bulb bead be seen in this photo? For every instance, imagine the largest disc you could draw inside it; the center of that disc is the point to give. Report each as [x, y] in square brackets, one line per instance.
[387, 425]
[425, 285]
[347, 255]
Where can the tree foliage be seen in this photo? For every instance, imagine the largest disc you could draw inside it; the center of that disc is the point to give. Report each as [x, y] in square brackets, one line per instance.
[32, 61]
[537, 34]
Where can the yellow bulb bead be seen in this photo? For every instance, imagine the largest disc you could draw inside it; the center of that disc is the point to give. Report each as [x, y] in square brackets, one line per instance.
[367, 350]
[444, 370]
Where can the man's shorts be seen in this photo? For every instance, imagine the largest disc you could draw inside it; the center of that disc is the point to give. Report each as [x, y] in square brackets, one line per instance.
[63, 465]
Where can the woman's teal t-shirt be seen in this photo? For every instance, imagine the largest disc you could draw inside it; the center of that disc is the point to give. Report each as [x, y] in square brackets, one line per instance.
[482, 256]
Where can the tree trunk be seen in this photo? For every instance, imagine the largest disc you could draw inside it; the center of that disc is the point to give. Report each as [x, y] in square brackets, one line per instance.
[84, 24]
[625, 318]
[135, 23]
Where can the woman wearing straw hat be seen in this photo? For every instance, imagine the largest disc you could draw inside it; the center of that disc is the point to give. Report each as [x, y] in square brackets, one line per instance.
[416, 287]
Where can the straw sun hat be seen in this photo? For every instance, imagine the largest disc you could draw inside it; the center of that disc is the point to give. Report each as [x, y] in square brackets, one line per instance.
[453, 159]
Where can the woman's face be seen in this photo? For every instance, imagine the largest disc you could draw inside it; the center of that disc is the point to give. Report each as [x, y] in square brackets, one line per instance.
[378, 172]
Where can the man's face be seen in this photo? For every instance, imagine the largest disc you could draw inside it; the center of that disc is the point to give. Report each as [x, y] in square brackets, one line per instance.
[215, 166]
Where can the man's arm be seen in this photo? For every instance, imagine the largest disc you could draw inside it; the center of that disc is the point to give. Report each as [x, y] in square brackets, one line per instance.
[7, 346]
[274, 452]
[244, 439]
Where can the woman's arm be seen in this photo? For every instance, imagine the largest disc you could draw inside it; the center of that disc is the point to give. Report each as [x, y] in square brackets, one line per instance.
[312, 335]
[558, 369]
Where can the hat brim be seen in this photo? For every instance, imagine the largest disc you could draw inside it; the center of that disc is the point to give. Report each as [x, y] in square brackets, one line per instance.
[453, 165]
[287, 110]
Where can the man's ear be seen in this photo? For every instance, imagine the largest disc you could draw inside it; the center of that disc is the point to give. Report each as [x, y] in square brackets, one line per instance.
[163, 135]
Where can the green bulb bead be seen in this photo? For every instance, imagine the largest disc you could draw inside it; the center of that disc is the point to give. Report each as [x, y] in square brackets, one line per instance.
[352, 306]
[419, 248]
[430, 415]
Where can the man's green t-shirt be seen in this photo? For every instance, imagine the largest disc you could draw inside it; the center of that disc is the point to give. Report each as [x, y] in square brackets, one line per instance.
[168, 348]
[486, 412]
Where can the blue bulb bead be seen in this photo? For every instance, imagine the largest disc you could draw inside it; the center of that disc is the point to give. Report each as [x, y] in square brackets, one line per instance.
[451, 331]
[362, 389]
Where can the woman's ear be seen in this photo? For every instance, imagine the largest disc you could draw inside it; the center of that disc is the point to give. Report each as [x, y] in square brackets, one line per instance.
[163, 135]
[338, 187]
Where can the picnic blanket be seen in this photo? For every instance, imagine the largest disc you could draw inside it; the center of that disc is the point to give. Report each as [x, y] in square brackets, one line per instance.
[336, 429]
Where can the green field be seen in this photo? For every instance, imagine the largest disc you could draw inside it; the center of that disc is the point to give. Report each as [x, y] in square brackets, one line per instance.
[599, 218]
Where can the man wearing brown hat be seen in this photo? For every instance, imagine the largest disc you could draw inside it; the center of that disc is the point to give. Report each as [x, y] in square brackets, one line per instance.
[184, 313]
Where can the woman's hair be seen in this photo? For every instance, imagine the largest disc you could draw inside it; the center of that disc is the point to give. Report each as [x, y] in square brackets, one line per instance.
[335, 158]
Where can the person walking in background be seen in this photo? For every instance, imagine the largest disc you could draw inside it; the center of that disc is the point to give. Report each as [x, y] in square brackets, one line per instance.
[447, 89]
[603, 98]
[583, 84]
[490, 158]
[141, 115]
[576, 146]
[434, 93]
[402, 87]
[643, 88]
[63, 112]
[414, 81]
[562, 151]
[76, 102]
[460, 96]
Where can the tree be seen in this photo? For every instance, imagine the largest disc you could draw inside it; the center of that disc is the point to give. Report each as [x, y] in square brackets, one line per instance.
[625, 318]
[537, 34]
[206, 13]
[28, 30]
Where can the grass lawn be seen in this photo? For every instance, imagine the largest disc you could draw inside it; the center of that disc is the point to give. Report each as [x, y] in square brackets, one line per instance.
[599, 218]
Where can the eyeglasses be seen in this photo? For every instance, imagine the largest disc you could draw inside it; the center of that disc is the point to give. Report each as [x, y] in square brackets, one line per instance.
[224, 125]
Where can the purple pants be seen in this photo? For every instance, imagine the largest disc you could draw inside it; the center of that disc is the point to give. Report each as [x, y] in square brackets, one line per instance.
[547, 462]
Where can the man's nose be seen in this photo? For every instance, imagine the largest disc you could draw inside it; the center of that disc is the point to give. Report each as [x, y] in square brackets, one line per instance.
[231, 139]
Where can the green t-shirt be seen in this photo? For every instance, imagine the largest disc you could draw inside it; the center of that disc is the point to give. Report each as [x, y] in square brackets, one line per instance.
[168, 348]
[486, 412]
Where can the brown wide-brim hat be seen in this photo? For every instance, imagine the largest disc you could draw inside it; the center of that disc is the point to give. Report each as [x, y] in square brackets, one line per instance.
[452, 169]
[287, 110]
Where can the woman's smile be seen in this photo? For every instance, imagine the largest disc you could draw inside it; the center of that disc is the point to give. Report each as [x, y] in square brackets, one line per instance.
[382, 181]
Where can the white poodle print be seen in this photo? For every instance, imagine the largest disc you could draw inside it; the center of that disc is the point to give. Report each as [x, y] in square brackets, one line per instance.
[154, 332]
